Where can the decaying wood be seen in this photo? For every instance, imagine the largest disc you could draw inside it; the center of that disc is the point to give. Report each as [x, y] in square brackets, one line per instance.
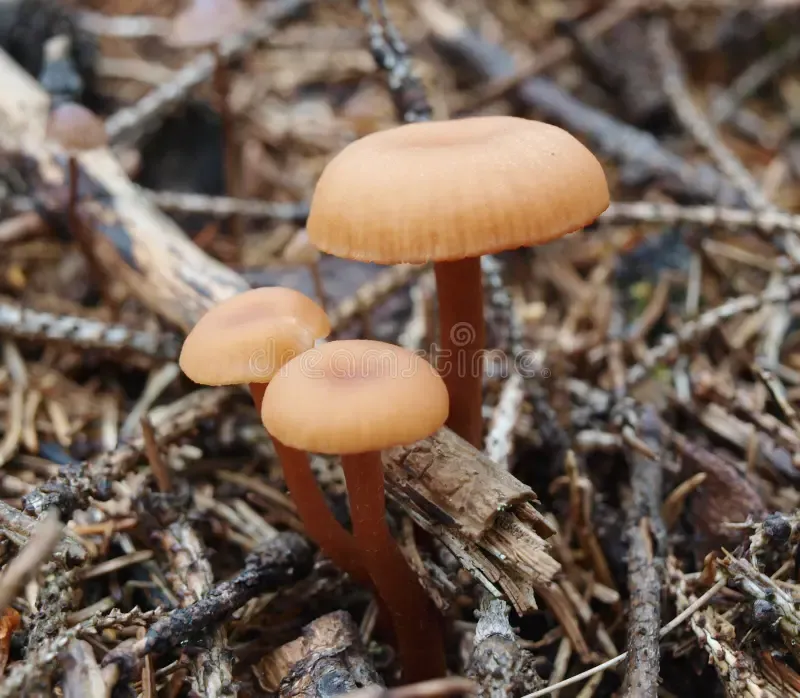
[500, 667]
[458, 486]
[725, 496]
[203, 606]
[327, 660]
[481, 512]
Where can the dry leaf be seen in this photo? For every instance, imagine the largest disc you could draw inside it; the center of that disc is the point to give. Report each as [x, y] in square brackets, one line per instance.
[9, 622]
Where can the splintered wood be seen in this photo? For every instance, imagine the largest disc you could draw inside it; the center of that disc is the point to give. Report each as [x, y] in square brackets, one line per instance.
[481, 512]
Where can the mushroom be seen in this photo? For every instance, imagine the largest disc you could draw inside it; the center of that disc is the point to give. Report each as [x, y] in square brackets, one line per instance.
[451, 191]
[203, 24]
[247, 339]
[353, 398]
[76, 129]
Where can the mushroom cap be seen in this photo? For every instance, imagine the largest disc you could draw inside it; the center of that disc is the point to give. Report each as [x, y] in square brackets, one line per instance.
[445, 190]
[247, 338]
[353, 396]
[75, 127]
[207, 22]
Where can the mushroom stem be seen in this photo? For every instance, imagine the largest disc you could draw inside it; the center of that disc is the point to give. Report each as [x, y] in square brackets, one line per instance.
[320, 524]
[462, 336]
[416, 621]
[257, 391]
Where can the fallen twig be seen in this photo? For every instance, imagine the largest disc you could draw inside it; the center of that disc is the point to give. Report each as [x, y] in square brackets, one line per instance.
[646, 549]
[283, 560]
[611, 663]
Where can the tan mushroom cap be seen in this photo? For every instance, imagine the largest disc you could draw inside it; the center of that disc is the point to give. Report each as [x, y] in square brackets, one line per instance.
[247, 338]
[446, 190]
[75, 127]
[206, 22]
[353, 396]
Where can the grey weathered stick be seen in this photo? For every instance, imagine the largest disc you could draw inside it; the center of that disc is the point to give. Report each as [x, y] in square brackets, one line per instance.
[768, 220]
[225, 206]
[646, 546]
[86, 333]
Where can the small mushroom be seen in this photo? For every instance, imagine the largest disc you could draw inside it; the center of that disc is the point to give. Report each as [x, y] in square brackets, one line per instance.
[247, 339]
[203, 24]
[449, 192]
[76, 129]
[353, 398]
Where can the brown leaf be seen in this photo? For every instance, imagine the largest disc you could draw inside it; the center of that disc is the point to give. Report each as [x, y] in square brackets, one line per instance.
[9, 622]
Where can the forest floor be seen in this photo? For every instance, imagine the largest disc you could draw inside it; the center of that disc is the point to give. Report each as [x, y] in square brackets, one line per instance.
[640, 477]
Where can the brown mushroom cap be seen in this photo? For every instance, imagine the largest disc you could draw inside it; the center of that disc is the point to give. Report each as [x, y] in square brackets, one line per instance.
[247, 338]
[445, 190]
[352, 396]
[206, 22]
[75, 127]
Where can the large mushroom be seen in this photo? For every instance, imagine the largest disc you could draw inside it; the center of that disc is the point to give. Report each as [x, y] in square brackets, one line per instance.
[247, 339]
[451, 191]
[354, 398]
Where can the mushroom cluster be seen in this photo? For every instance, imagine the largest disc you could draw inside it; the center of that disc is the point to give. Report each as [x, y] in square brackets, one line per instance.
[247, 340]
[333, 400]
[446, 192]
